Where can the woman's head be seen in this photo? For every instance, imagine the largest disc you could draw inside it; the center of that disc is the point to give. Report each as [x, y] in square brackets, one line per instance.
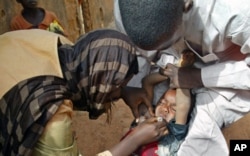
[166, 105]
[149, 23]
[104, 60]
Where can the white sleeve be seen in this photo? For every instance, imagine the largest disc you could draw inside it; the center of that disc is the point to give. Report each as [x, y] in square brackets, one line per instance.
[234, 75]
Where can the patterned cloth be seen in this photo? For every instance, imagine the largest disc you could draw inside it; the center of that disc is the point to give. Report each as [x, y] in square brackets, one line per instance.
[98, 63]
[25, 110]
[167, 145]
[110, 58]
[58, 137]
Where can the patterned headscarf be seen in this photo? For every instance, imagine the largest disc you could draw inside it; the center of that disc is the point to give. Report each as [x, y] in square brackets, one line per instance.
[24, 111]
[99, 62]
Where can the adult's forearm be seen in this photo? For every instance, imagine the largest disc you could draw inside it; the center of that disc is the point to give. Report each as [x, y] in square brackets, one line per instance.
[189, 78]
[125, 147]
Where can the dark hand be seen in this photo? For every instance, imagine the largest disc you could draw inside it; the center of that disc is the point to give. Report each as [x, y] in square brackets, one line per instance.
[133, 97]
[150, 130]
[182, 77]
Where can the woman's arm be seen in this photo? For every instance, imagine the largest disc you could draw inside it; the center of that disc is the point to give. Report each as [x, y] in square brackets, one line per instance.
[146, 132]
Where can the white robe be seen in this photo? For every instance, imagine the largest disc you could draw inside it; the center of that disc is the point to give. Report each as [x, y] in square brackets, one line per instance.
[218, 31]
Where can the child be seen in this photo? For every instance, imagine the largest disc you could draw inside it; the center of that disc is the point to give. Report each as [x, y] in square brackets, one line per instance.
[34, 17]
[175, 111]
[174, 107]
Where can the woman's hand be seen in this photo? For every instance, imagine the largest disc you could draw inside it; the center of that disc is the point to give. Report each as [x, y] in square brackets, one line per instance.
[133, 97]
[150, 130]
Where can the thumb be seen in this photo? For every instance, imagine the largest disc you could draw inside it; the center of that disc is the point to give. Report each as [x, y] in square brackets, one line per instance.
[135, 112]
[149, 105]
[169, 65]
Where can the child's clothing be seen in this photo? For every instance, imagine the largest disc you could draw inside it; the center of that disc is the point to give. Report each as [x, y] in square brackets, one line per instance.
[170, 144]
[20, 23]
[167, 145]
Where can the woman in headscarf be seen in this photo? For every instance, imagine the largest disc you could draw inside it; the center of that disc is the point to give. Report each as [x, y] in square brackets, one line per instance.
[45, 76]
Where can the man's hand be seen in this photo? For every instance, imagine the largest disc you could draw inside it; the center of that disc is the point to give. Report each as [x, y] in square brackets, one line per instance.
[133, 97]
[183, 77]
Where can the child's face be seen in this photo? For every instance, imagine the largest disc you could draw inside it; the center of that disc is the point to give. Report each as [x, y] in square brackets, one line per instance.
[166, 106]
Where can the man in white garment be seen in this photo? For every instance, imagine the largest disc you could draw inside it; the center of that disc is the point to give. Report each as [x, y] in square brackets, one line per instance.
[149, 61]
[218, 32]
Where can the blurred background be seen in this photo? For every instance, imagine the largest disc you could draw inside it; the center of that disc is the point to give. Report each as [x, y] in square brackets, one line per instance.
[77, 16]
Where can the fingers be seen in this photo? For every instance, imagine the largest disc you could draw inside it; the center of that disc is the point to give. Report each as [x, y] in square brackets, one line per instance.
[149, 105]
[162, 71]
[168, 71]
[161, 127]
[163, 130]
[160, 122]
[150, 109]
[172, 85]
[152, 120]
[171, 71]
[136, 112]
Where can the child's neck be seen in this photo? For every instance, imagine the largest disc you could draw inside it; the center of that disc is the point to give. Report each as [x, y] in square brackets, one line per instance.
[33, 15]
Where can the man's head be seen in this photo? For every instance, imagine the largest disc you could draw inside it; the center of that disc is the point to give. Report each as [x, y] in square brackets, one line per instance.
[151, 22]
[28, 3]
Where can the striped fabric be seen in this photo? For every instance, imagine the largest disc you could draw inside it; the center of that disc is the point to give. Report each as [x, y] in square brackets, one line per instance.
[109, 57]
[25, 110]
[98, 63]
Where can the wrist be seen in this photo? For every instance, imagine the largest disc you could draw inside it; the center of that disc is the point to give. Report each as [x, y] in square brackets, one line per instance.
[127, 146]
[190, 78]
[123, 92]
